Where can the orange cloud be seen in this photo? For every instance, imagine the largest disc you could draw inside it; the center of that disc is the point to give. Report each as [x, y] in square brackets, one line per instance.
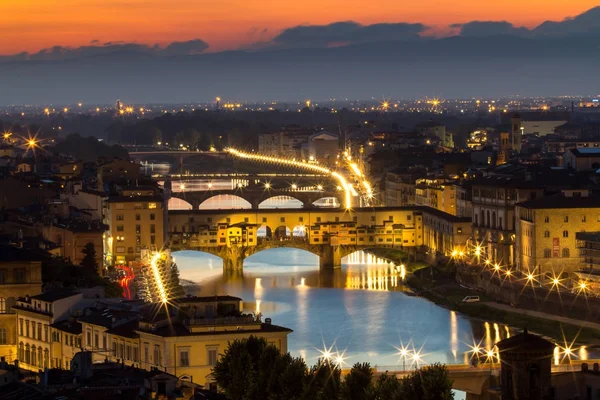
[30, 25]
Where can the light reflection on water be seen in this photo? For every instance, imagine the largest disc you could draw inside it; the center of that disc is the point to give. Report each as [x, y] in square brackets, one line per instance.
[360, 308]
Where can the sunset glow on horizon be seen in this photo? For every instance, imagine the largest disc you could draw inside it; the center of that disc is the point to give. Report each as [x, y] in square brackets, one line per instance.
[32, 25]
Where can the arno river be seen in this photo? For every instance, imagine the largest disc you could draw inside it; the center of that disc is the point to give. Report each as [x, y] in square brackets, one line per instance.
[360, 310]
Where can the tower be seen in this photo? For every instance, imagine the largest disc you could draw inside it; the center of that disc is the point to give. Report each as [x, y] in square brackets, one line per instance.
[526, 367]
[516, 133]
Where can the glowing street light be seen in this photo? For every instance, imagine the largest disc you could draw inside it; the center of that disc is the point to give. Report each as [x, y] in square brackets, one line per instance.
[294, 186]
[319, 187]
[157, 278]
[267, 185]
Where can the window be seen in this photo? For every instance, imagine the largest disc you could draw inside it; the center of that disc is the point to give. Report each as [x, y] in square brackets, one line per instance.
[246, 219]
[120, 228]
[152, 206]
[282, 219]
[19, 275]
[459, 230]
[318, 219]
[264, 219]
[152, 217]
[391, 218]
[565, 234]
[372, 218]
[546, 219]
[566, 218]
[2, 276]
[300, 219]
[146, 353]
[96, 341]
[583, 218]
[337, 219]
[566, 253]
[152, 239]
[103, 341]
[136, 351]
[152, 228]
[184, 356]
[138, 229]
[138, 217]
[33, 358]
[547, 253]
[27, 328]
[156, 355]
[211, 355]
[2, 305]
[128, 352]
[120, 217]
[546, 234]
[3, 336]
[39, 331]
[88, 338]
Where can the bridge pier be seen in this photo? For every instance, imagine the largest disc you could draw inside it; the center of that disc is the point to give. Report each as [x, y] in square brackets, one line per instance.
[233, 259]
[330, 257]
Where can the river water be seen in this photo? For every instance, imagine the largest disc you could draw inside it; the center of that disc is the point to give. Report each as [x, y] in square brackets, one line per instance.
[359, 311]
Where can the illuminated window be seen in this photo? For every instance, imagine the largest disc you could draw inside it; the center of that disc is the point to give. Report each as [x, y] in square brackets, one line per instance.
[547, 253]
[547, 234]
[151, 206]
[565, 234]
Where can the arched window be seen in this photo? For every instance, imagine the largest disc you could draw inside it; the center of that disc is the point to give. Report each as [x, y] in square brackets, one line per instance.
[40, 357]
[2, 305]
[547, 253]
[46, 353]
[33, 356]
[566, 253]
[488, 219]
[21, 352]
[565, 234]
[494, 219]
[27, 354]
[3, 336]
[546, 234]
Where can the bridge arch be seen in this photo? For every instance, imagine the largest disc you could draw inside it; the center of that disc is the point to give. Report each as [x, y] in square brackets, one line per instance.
[282, 232]
[264, 232]
[225, 201]
[280, 201]
[299, 231]
[175, 203]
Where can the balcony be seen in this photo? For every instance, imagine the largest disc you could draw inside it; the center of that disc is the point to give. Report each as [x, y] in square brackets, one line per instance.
[222, 324]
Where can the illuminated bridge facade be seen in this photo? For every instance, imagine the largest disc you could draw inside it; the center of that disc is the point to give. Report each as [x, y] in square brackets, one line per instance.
[331, 234]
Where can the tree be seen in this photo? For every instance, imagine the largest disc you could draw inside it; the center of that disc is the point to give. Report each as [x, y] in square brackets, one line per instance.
[89, 263]
[323, 382]
[175, 288]
[427, 383]
[357, 382]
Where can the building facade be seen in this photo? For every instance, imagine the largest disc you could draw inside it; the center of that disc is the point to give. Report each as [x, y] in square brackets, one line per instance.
[34, 316]
[136, 221]
[20, 275]
[547, 230]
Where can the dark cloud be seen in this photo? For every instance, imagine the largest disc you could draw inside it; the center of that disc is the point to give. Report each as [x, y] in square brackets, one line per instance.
[348, 32]
[587, 23]
[195, 46]
[490, 28]
[190, 47]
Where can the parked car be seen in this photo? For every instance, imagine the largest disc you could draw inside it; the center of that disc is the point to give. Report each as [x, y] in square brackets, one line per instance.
[471, 299]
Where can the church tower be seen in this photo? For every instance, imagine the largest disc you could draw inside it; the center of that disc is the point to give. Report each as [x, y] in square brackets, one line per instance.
[516, 133]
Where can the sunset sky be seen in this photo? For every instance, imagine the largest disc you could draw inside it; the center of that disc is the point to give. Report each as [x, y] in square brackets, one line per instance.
[31, 25]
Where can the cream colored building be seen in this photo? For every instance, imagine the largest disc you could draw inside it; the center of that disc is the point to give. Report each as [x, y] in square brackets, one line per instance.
[35, 337]
[20, 275]
[436, 193]
[136, 221]
[186, 343]
[546, 231]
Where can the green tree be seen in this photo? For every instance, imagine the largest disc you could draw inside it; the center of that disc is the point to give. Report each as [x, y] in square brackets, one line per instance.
[176, 290]
[89, 263]
[323, 382]
[427, 383]
[357, 382]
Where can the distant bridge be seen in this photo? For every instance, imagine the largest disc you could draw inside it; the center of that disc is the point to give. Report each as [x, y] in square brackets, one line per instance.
[256, 196]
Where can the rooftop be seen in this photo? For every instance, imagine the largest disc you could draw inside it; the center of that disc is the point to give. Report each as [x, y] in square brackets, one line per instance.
[54, 295]
[178, 329]
[69, 326]
[525, 341]
[206, 299]
[560, 201]
[586, 152]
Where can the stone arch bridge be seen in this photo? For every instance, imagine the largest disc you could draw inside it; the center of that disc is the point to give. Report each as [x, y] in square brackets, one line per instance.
[233, 256]
[256, 196]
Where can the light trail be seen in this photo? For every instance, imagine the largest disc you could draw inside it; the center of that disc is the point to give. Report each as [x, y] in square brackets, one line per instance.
[157, 278]
[293, 163]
